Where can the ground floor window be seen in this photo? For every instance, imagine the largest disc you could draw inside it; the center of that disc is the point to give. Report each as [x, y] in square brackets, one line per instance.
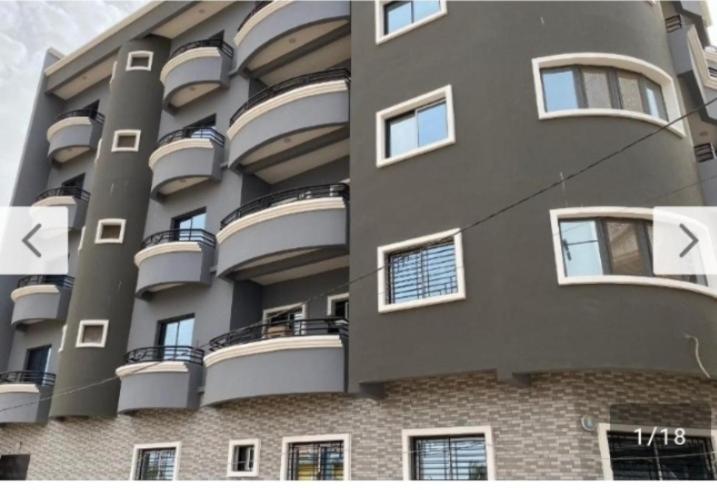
[460, 457]
[155, 463]
[688, 458]
[319, 460]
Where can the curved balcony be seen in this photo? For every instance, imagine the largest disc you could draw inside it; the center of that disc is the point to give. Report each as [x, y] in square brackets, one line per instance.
[292, 127]
[160, 376]
[73, 134]
[41, 298]
[184, 158]
[286, 235]
[283, 39]
[277, 358]
[195, 69]
[74, 198]
[174, 257]
[24, 396]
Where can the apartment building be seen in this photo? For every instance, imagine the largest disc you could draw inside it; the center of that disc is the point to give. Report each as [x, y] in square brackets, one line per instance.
[237, 174]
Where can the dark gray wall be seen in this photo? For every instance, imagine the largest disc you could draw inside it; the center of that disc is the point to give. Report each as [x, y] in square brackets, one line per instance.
[516, 318]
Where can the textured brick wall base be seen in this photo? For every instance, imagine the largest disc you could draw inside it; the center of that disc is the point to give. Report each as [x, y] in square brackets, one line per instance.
[536, 429]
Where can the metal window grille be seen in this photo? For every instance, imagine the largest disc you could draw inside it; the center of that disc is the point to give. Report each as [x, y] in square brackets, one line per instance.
[156, 464]
[449, 458]
[422, 272]
[693, 460]
[316, 461]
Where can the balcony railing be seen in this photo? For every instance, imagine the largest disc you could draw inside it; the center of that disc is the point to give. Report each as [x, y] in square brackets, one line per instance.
[284, 197]
[704, 152]
[204, 43]
[291, 84]
[281, 328]
[159, 353]
[76, 192]
[192, 132]
[673, 23]
[257, 7]
[59, 281]
[39, 378]
[91, 113]
[202, 237]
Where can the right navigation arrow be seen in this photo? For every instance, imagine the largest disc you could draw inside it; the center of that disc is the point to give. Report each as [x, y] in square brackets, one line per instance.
[692, 243]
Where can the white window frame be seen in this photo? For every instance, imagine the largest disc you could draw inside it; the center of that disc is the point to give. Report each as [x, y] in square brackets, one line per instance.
[598, 212]
[380, 27]
[82, 238]
[266, 313]
[611, 60]
[136, 54]
[177, 446]
[62, 338]
[345, 438]
[81, 330]
[110, 221]
[137, 133]
[384, 250]
[603, 428]
[256, 443]
[382, 116]
[99, 148]
[408, 434]
[330, 300]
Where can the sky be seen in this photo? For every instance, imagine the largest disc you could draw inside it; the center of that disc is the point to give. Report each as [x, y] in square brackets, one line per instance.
[27, 29]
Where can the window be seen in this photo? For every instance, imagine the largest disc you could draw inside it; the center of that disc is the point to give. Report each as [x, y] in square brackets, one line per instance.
[155, 461]
[126, 140]
[139, 60]
[38, 359]
[284, 320]
[603, 84]
[609, 246]
[183, 225]
[176, 333]
[14, 466]
[316, 458]
[630, 460]
[417, 126]
[394, 18]
[92, 333]
[75, 182]
[338, 305]
[453, 453]
[420, 272]
[243, 458]
[110, 230]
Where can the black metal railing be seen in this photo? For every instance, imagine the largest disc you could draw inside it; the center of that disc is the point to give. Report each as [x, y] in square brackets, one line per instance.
[704, 152]
[76, 192]
[192, 132]
[205, 43]
[287, 196]
[39, 378]
[257, 7]
[203, 237]
[278, 328]
[290, 84]
[91, 113]
[159, 353]
[59, 281]
[673, 23]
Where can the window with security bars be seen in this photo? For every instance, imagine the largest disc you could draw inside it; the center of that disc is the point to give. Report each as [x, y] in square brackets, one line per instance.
[422, 272]
[449, 458]
[630, 460]
[316, 461]
[155, 464]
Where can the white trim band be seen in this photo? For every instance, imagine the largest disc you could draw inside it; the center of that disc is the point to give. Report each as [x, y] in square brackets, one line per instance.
[18, 388]
[257, 18]
[33, 289]
[192, 54]
[67, 122]
[178, 145]
[56, 201]
[151, 367]
[273, 345]
[165, 248]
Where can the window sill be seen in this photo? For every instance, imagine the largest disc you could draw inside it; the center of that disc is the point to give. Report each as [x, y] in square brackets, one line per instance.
[383, 162]
[409, 305]
[677, 128]
[639, 281]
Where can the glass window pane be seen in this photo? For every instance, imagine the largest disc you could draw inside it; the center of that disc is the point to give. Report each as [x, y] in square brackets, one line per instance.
[422, 273]
[597, 88]
[625, 255]
[450, 458]
[184, 331]
[432, 124]
[397, 15]
[424, 8]
[402, 135]
[630, 91]
[559, 89]
[655, 102]
[581, 249]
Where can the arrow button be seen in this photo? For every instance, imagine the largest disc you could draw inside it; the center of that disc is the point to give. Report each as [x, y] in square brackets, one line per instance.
[693, 240]
[26, 240]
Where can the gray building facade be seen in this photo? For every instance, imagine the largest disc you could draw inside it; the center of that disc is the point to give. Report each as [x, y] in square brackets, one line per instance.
[239, 173]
